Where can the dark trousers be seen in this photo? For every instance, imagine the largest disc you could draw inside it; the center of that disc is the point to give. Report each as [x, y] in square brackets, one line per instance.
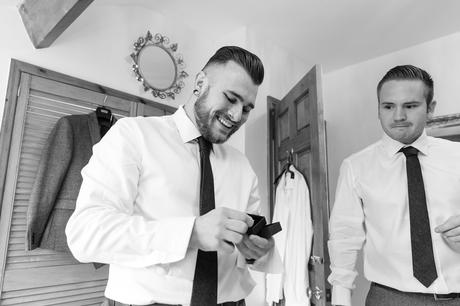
[379, 295]
[115, 303]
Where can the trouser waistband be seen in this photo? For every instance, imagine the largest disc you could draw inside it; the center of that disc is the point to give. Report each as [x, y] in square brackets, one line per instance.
[435, 296]
[115, 303]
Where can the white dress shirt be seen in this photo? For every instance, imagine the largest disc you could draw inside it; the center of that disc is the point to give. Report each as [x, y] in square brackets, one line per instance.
[371, 210]
[293, 243]
[137, 206]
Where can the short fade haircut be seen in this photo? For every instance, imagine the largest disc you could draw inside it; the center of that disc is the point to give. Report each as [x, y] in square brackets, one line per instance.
[409, 72]
[249, 61]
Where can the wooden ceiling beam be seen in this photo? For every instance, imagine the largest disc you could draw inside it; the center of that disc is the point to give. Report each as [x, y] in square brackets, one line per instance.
[46, 20]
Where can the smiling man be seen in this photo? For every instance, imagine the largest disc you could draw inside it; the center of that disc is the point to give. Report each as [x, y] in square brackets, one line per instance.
[165, 202]
[399, 200]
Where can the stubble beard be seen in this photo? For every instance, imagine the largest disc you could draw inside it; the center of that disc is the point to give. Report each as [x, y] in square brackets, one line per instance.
[204, 120]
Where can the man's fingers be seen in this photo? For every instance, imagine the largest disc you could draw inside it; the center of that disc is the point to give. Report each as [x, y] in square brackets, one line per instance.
[249, 242]
[231, 236]
[246, 251]
[451, 223]
[226, 247]
[236, 226]
[452, 232]
[259, 241]
[238, 215]
[453, 239]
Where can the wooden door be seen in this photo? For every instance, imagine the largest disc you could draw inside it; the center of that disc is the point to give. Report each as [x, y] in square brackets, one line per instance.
[296, 125]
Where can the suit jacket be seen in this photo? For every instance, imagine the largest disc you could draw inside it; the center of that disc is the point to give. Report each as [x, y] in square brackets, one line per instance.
[52, 201]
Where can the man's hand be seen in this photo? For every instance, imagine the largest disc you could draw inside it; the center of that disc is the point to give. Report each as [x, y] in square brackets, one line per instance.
[450, 231]
[220, 230]
[254, 247]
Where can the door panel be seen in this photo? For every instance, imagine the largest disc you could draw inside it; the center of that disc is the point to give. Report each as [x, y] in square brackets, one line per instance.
[296, 125]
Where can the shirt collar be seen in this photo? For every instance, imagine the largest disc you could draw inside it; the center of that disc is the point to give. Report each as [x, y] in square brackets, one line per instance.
[185, 126]
[392, 146]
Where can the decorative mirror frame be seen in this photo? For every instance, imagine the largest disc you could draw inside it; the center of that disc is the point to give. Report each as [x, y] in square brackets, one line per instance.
[162, 42]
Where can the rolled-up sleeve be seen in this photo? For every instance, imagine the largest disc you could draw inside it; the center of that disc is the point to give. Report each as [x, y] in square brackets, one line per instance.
[346, 235]
[104, 227]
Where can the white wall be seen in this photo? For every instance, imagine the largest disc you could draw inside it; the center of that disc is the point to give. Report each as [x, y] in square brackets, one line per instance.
[351, 103]
[96, 48]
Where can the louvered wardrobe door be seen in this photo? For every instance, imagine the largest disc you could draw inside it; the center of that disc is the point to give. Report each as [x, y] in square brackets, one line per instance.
[43, 277]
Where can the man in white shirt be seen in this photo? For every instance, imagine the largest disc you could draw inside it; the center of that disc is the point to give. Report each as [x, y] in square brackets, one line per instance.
[139, 205]
[374, 206]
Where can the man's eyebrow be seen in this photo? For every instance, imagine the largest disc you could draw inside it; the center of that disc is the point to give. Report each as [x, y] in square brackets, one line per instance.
[239, 97]
[236, 95]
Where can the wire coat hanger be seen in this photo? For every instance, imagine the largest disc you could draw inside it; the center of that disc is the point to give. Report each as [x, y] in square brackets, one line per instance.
[104, 117]
[103, 113]
[286, 168]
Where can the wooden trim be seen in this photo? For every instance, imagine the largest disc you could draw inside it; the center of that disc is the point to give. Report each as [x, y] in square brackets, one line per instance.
[6, 131]
[443, 121]
[66, 79]
[13, 164]
[271, 147]
[324, 182]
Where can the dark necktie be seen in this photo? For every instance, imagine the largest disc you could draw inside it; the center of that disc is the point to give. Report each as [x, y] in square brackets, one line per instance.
[204, 292]
[423, 265]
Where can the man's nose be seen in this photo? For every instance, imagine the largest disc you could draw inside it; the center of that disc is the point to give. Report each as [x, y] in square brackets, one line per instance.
[399, 114]
[235, 112]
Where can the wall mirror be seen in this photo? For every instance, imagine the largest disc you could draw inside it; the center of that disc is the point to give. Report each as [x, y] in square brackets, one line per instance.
[158, 66]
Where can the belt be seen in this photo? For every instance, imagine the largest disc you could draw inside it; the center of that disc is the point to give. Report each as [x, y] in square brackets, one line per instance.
[435, 296]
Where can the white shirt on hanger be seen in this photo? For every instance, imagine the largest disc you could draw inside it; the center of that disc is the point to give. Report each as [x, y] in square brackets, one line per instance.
[292, 210]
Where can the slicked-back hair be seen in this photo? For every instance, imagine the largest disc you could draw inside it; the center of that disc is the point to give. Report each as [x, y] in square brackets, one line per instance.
[249, 61]
[409, 72]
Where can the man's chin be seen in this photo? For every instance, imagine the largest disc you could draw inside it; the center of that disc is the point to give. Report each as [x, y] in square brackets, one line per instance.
[220, 138]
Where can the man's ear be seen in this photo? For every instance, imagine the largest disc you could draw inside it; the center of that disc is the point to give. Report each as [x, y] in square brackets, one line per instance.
[430, 109]
[201, 82]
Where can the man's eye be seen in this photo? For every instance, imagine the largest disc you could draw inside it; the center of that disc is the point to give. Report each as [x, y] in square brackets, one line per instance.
[411, 106]
[231, 100]
[387, 106]
[246, 110]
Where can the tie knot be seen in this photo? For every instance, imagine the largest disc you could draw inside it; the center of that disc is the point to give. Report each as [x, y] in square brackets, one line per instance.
[409, 151]
[205, 145]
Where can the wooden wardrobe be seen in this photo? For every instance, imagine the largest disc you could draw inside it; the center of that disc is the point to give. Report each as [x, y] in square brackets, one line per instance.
[36, 99]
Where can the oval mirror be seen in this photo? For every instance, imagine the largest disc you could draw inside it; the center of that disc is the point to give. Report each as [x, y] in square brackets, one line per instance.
[158, 66]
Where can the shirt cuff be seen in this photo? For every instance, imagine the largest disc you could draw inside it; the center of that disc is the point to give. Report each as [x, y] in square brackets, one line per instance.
[341, 296]
[173, 235]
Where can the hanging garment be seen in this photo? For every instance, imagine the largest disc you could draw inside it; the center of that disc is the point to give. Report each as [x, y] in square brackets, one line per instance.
[292, 210]
[57, 183]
